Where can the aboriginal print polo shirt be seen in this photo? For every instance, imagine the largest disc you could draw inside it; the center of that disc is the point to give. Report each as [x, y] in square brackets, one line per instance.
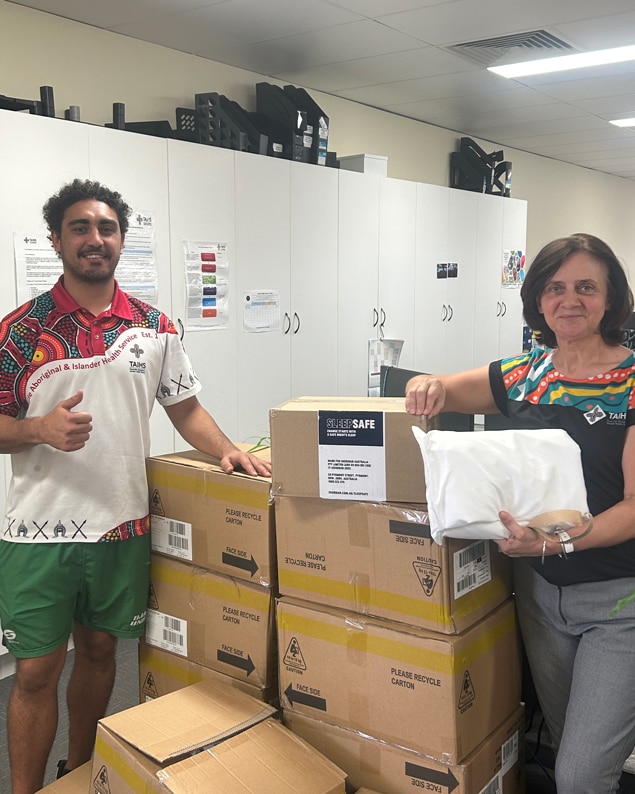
[596, 412]
[123, 360]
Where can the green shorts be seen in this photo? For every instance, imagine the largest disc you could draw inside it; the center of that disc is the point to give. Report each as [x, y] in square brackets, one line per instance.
[45, 588]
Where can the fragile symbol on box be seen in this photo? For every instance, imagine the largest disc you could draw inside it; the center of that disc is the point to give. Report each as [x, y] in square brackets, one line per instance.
[467, 691]
[100, 783]
[153, 603]
[428, 575]
[149, 687]
[293, 656]
[156, 506]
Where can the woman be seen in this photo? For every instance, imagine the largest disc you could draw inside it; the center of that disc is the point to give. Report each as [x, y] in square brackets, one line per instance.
[576, 299]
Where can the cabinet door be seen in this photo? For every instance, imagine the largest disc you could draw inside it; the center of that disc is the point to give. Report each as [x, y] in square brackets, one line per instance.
[37, 156]
[487, 294]
[262, 264]
[498, 322]
[358, 257]
[445, 280]
[136, 166]
[201, 184]
[313, 307]
[514, 239]
[397, 259]
[461, 282]
[431, 309]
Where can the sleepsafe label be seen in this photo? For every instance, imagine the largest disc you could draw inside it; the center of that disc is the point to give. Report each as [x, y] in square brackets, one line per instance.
[351, 455]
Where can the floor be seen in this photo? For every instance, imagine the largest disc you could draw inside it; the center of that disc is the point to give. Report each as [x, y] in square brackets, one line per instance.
[539, 773]
[125, 694]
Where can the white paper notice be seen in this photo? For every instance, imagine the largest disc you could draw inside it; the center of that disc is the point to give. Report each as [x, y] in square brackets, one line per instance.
[137, 272]
[351, 455]
[261, 311]
[206, 284]
[37, 265]
[513, 272]
[381, 351]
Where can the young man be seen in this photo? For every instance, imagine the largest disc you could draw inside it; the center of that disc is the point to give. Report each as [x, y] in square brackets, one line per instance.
[80, 368]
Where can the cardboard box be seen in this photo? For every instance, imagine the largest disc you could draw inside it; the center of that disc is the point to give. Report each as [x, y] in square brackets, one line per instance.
[272, 760]
[222, 522]
[379, 559]
[162, 745]
[496, 765]
[76, 782]
[161, 672]
[438, 694]
[359, 448]
[216, 621]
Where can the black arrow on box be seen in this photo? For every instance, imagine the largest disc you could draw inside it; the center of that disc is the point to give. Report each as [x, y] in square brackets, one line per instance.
[236, 661]
[305, 699]
[240, 562]
[446, 779]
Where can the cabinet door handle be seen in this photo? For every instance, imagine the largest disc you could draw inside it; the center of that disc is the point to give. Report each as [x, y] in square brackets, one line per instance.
[383, 318]
[375, 317]
[181, 329]
[451, 312]
[287, 324]
[444, 313]
[499, 308]
[504, 309]
[296, 321]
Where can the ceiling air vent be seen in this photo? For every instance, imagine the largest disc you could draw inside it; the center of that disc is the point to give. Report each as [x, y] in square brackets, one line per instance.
[516, 46]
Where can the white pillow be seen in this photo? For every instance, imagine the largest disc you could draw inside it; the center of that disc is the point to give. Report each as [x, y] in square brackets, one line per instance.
[471, 477]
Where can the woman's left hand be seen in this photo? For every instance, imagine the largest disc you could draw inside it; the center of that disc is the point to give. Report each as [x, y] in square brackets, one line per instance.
[523, 541]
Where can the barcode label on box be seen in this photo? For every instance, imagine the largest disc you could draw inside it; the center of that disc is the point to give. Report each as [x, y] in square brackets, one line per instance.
[509, 753]
[495, 786]
[166, 632]
[472, 568]
[172, 537]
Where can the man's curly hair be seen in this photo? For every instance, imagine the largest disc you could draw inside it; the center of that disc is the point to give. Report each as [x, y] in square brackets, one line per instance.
[80, 190]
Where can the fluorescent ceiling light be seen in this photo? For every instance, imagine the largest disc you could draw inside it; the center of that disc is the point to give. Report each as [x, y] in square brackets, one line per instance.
[564, 62]
[624, 122]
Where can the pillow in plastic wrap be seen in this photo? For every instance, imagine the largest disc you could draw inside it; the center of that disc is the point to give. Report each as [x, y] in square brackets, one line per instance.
[471, 477]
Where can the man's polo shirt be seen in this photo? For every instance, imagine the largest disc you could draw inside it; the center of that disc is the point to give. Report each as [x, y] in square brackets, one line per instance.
[123, 360]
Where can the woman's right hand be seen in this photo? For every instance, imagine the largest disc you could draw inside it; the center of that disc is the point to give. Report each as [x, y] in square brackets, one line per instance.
[425, 395]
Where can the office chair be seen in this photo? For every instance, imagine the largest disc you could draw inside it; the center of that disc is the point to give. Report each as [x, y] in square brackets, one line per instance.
[392, 383]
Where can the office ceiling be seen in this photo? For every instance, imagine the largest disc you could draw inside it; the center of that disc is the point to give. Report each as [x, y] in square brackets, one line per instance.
[423, 59]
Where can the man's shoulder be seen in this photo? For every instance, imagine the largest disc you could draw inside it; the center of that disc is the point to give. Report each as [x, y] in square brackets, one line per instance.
[39, 307]
[147, 315]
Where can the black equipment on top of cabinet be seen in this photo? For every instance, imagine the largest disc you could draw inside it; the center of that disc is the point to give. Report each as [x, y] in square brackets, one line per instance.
[317, 120]
[471, 168]
[287, 119]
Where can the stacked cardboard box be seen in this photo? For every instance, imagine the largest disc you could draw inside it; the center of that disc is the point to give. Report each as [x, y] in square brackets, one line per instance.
[496, 765]
[213, 577]
[76, 782]
[206, 738]
[382, 634]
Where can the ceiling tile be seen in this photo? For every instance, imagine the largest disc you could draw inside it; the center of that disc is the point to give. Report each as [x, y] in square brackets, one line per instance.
[330, 45]
[422, 61]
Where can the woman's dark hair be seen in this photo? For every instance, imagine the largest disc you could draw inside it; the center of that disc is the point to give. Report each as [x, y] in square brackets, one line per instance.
[80, 190]
[545, 265]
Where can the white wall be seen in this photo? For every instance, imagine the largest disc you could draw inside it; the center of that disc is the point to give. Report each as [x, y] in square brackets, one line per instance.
[93, 68]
